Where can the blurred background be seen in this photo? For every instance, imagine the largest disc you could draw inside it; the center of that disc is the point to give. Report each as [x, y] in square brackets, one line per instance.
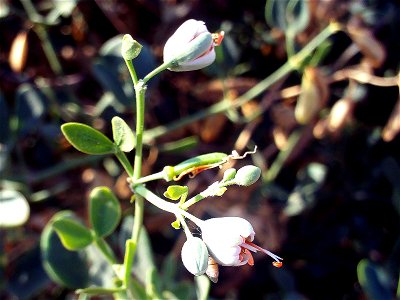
[327, 137]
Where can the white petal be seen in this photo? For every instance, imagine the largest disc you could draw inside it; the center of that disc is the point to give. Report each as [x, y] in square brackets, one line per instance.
[198, 63]
[228, 229]
[225, 256]
[182, 36]
[223, 237]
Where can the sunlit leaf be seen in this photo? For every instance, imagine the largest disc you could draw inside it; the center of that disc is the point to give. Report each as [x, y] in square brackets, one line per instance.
[73, 235]
[87, 139]
[122, 134]
[104, 211]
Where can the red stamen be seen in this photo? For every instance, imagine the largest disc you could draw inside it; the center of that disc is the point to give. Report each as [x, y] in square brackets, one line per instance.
[274, 256]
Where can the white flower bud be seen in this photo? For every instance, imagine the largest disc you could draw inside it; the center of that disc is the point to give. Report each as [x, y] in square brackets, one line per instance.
[195, 256]
[191, 47]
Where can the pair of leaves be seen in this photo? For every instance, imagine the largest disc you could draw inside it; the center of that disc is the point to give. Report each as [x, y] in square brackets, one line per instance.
[104, 215]
[73, 269]
[91, 141]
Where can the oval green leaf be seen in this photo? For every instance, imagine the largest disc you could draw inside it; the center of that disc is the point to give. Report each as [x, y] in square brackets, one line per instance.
[122, 134]
[73, 235]
[104, 211]
[67, 268]
[87, 139]
[14, 209]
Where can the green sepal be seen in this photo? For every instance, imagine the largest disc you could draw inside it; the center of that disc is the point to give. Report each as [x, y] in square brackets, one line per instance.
[176, 224]
[73, 235]
[87, 139]
[104, 211]
[174, 192]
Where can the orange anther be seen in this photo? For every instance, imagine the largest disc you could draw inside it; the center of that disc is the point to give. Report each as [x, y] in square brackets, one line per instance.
[277, 264]
[218, 37]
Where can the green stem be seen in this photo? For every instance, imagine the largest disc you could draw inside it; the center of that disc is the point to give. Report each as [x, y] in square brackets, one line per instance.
[131, 245]
[130, 249]
[140, 89]
[48, 49]
[277, 165]
[210, 191]
[132, 72]
[151, 177]
[43, 36]
[184, 225]
[157, 70]
[193, 200]
[293, 63]
[124, 162]
[106, 250]
[164, 205]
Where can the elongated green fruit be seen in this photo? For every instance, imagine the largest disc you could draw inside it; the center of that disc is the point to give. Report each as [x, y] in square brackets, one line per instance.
[194, 165]
[201, 160]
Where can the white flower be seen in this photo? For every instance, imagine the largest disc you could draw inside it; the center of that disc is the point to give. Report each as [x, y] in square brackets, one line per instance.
[229, 241]
[191, 47]
[195, 256]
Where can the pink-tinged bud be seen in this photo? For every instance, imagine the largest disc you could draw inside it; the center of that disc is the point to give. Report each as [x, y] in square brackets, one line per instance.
[229, 241]
[191, 47]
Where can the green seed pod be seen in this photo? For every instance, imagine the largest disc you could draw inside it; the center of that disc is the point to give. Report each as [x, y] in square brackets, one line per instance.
[247, 175]
[195, 165]
[201, 160]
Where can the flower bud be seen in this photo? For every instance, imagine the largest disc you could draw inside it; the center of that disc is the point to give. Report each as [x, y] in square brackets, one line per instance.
[229, 174]
[191, 47]
[195, 256]
[247, 175]
[130, 48]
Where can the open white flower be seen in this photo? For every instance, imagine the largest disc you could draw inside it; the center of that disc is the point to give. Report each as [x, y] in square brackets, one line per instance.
[191, 47]
[229, 241]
